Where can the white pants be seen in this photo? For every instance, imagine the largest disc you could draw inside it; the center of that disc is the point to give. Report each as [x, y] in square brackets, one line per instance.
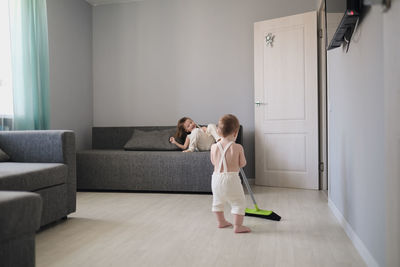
[201, 140]
[227, 188]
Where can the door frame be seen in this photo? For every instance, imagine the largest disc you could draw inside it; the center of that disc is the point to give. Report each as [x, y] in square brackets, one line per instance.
[322, 98]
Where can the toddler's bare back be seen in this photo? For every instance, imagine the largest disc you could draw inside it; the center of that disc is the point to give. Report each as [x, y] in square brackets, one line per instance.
[234, 157]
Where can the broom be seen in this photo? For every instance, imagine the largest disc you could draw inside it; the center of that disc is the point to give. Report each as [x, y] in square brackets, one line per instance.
[256, 212]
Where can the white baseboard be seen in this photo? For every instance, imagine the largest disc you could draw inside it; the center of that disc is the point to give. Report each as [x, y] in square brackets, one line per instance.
[358, 244]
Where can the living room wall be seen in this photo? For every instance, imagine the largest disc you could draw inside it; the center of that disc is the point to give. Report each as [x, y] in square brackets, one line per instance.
[70, 53]
[391, 55]
[364, 136]
[157, 61]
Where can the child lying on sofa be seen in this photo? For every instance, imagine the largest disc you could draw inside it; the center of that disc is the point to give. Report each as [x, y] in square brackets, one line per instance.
[195, 138]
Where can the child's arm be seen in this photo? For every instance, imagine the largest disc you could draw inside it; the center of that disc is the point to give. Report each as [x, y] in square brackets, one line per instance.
[242, 158]
[212, 153]
[212, 129]
[184, 146]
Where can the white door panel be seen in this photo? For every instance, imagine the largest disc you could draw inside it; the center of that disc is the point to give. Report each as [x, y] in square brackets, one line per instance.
[281, 107]
[286, 85]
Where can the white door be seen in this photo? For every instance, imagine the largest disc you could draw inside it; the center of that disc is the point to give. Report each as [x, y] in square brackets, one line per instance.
[286, 101]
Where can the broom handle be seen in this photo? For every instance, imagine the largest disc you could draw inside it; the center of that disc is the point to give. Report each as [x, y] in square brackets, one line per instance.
[248, 186]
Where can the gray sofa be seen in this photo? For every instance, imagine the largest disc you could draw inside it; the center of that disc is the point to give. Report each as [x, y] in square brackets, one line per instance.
[43, 162]
[107, 166]
[20, 214]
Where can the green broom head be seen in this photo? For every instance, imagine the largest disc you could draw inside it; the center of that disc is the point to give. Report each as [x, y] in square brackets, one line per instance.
[265, 214]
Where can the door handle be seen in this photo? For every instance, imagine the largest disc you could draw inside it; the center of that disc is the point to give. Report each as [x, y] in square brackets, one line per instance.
[258, 103]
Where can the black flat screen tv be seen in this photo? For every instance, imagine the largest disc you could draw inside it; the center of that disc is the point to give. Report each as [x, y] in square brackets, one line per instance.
[342, 17]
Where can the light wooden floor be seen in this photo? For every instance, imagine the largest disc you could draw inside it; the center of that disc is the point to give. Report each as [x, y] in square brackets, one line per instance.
[142, 229]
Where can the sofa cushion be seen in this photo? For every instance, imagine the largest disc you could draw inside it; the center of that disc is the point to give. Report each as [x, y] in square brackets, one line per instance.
[3, 156]
[20, 214]
[156, 140]
[31, 176]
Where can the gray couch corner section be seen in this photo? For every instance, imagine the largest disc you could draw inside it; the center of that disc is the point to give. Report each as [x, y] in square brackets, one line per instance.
[43, 162]
[20, 215]
[108, 167]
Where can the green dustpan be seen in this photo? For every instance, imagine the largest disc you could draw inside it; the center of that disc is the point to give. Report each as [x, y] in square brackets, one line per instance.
[256, 212]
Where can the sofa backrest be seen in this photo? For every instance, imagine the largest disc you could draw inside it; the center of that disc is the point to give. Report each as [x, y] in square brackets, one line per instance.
[116, 137]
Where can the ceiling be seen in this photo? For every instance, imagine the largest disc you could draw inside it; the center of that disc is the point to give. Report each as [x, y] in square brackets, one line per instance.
[106, 2]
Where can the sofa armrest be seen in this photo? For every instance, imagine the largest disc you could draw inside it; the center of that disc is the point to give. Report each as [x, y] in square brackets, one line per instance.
[47, 146]
[20, 214]
[35, 146]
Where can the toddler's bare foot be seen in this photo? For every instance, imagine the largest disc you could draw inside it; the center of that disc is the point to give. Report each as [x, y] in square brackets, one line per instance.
[242, 229]
[224, 224]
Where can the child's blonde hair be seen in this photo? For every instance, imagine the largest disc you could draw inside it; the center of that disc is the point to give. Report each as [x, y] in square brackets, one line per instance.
[228, 124]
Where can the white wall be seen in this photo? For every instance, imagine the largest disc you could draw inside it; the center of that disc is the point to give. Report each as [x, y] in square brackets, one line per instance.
[391, 39]
[70, 51]
[361, 117]
[157, 61]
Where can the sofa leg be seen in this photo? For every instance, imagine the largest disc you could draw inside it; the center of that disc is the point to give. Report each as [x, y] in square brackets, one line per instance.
[52, 224]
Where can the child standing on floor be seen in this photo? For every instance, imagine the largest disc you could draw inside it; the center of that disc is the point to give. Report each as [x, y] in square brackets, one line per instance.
[227, 157]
